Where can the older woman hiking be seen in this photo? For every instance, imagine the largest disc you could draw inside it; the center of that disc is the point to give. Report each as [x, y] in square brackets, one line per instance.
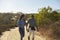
[21, 23]
[32, 27]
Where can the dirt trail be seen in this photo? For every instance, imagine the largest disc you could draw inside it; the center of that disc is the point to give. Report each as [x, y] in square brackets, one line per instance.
[14, 35]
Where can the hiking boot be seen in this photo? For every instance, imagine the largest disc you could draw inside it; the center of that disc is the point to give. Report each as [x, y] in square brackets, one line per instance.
[32, 38]
[28, 38]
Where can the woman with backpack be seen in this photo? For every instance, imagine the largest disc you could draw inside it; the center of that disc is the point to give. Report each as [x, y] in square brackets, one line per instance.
[32, 27]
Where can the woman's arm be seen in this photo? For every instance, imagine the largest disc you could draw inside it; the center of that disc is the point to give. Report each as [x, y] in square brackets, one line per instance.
[18, 23]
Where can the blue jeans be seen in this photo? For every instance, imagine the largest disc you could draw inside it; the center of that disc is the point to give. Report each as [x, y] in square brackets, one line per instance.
[22, 33]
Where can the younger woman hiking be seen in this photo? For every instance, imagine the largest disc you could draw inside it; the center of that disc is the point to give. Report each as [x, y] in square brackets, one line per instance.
[21, 23]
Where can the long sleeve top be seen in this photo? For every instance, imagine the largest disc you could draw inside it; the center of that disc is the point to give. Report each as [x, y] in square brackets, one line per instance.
[21, 23]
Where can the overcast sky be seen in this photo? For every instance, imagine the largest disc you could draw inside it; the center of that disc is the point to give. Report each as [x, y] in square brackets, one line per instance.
[27, 6]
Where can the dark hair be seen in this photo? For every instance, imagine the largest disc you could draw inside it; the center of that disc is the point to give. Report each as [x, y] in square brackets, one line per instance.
[21, 16]
[32, 16]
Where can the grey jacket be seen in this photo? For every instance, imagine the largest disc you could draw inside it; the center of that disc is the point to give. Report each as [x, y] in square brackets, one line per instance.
[32, 22]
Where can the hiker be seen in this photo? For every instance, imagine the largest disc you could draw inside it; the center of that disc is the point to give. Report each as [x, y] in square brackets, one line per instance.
[32, 27]
[21, 23]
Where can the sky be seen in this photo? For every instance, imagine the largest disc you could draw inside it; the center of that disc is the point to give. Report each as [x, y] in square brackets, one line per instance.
[27, 6]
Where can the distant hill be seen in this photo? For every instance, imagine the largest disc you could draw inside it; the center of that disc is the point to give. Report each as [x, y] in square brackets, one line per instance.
[58, 10]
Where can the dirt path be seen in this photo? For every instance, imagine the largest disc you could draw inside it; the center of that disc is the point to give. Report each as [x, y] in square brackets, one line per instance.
[14, 35]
